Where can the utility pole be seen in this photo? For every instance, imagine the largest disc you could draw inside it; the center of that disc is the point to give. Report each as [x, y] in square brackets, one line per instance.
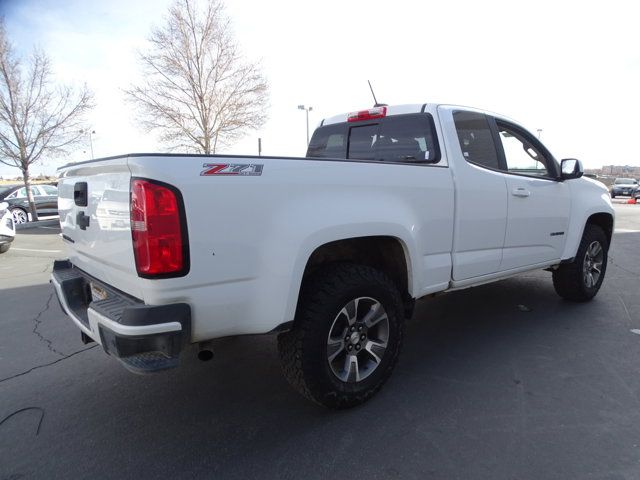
[259, 147]
[539, 132]
[307, 110]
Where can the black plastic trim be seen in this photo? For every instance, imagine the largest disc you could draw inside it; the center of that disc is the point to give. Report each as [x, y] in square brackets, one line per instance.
[121, 346]
[183, 228]
[283, 327]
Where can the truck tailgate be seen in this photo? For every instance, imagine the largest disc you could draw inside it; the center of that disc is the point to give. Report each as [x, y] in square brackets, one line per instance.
[95, 221]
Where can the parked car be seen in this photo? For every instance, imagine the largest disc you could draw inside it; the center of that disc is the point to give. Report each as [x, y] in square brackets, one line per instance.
[624, 187]
[44, 196]
[330, 251]
[7, 228]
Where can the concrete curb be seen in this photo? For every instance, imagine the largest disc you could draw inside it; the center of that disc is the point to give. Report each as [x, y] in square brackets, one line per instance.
[40, 223]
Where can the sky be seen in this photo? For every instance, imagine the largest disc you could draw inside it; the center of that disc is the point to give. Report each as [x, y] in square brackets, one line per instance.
[569, 68]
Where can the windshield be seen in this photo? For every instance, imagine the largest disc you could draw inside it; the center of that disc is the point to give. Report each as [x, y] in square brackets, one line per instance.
[625, 181]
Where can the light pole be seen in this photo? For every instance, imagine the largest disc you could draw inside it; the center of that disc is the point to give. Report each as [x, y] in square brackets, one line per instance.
[90, 132]
[539, 132]
[307, 110]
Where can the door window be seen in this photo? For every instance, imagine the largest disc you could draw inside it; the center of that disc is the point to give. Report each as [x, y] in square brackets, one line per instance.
[476, 139]
[521, 155]
[22, 193]
[49, 190]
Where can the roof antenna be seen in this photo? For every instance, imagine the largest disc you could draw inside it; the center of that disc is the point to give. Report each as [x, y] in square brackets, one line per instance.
[374, 97]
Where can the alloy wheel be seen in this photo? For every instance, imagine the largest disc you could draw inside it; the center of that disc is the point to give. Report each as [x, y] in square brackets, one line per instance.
[358, 339]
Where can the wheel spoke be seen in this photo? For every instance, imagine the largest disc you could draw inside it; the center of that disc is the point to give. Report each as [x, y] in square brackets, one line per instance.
[369, 347]
[375, 315]
[597, 267]
[350, 319]
[351, 368]
[334, 348]
[595, 249]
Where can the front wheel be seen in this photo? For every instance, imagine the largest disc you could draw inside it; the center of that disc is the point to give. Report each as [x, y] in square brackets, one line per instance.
[346, 336]
[19, 215]
[4, 248]
[581, 279]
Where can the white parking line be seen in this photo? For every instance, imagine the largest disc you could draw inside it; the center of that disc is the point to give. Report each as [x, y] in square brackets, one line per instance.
[626, 230]
[636, 331]
[33, 250]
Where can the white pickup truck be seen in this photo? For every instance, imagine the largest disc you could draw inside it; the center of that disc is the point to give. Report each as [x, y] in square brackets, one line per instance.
[329, 251]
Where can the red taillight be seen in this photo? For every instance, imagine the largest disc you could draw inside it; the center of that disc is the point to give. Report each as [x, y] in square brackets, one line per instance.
[372, 113]
[158, 236]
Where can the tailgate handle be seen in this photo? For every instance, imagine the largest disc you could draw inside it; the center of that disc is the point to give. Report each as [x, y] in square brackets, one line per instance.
[82, 220]
[80, 196]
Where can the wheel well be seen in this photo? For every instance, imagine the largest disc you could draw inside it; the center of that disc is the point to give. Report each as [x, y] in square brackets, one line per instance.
[383, 253]
[604, 221]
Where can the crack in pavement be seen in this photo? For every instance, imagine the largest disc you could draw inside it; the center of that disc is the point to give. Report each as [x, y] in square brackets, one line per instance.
[47, 364]
[611, 260]
[37, 322]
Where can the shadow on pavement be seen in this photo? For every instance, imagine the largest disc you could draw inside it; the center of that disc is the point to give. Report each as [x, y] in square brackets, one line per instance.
[500, 381]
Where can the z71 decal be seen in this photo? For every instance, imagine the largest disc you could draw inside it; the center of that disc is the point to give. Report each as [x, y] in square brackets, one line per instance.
[231, 169]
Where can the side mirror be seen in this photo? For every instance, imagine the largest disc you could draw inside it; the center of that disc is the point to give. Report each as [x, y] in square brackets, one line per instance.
[571, 168]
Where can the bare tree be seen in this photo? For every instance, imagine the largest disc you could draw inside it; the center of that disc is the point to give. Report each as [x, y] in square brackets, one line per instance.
[198, 92]
[37, 118]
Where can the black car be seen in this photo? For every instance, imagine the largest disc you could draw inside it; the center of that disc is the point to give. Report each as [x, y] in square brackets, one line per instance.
[45, 197]
[624, 186]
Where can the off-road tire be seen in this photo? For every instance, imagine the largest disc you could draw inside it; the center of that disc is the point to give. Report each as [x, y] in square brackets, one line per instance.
[568, 279]
[303, 349]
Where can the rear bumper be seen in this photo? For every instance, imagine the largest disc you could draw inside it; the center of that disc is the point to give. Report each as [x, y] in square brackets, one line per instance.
[144, 337]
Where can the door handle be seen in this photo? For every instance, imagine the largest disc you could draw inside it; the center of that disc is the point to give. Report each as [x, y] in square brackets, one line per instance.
[520, 192]
[82, 220]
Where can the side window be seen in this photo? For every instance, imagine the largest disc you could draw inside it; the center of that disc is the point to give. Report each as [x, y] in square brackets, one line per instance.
[476, 140]
[49, 189]
[37, 192]
[22, 193]
[520, 154]
[362, 142]
[13, 195]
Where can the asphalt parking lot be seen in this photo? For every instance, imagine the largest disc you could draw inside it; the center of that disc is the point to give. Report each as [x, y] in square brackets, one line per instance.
[503, 381]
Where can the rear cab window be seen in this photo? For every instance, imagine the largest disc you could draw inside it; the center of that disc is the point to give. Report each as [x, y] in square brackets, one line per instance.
[408, 138]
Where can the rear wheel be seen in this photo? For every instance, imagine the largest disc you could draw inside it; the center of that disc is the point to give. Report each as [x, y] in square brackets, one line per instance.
[4, 248]
[581, 279]
[346, 336]
[19, 215]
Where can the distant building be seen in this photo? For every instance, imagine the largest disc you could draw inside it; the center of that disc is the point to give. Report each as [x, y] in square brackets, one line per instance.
[616, 171]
